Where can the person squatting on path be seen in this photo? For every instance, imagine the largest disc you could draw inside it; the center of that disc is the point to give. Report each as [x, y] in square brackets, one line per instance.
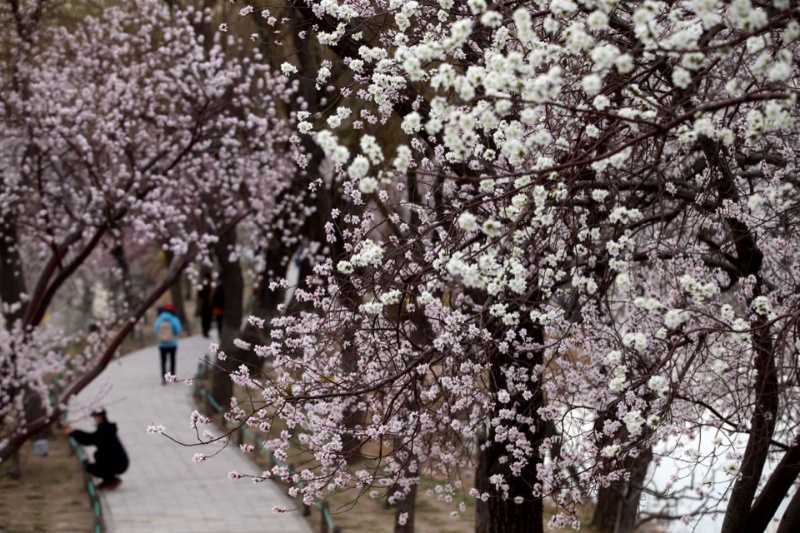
[110, 459]
[167, 328]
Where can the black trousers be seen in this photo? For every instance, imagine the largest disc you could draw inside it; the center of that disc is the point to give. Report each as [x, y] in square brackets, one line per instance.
[103, 472]
[164, 353]
[205, 320]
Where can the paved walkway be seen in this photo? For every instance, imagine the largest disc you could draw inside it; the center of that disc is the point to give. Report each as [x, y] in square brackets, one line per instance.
[164, 490]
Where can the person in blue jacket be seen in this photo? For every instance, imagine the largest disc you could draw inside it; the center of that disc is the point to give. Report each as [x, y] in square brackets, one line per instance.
[167, 328]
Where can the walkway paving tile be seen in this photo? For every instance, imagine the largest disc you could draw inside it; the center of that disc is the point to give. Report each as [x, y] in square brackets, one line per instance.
[163, 489]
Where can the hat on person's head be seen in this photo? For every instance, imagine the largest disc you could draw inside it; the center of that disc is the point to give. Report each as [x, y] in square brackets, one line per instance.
[169, 307]
[99, 412]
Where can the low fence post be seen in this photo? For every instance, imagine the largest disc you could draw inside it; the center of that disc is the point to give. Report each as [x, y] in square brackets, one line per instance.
[323, 522]
[209, 409]
[326, 523]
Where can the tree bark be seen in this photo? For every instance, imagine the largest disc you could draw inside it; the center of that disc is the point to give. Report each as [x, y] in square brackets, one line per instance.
[790, 523]
[13, 281]
[267, 300]
[502, 514]
[176, 295]
[749, 259]
[408, 505]
[762, 426]
[775, 490]
[498, 515]
[233, 283]
[127, 300]
[618, 504]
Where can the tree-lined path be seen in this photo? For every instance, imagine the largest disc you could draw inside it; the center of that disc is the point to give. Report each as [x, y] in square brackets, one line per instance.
[164, 490]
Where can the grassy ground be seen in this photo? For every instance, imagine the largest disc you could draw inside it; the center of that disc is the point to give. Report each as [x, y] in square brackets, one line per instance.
[432, 516]
[49, 496]
[367, 514]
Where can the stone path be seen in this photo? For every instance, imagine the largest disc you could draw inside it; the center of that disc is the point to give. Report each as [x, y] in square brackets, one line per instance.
[164, 490]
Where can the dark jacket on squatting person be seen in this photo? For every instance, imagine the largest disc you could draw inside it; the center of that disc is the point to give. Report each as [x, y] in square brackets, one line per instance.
[110, 459]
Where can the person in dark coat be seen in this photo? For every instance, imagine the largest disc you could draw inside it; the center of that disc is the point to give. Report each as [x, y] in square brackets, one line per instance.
[204, 304]
[218, 305]
[110, 459]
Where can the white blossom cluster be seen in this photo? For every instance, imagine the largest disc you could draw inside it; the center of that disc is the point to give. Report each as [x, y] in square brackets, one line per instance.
[591, 205]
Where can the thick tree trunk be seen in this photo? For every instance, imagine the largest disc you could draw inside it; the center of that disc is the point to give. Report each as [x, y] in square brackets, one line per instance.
[790, 523]
[503, 514]
[408, 506]
[176, 295]
[749, 259]
[13, 281]
[12, 286]
[775, 490]
[267, 300]
[618, 504]
[498, 515]
[233, 283]
[85, 317]
[124, 298]
[351, 444]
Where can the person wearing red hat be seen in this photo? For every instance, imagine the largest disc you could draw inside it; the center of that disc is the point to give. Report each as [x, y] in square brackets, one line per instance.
[167, 328]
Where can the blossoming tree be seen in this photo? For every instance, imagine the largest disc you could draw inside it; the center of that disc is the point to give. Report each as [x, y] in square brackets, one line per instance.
[583, 248]
[123, 123]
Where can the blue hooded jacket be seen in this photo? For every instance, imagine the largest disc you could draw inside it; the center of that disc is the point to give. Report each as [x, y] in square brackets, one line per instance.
[176, 328]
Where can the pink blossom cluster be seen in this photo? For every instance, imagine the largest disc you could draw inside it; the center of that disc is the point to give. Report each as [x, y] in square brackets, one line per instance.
[566, 237]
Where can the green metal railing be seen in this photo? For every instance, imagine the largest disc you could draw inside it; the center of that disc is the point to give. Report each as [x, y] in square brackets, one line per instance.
[326, 524]
[94, 496]
[77, 449]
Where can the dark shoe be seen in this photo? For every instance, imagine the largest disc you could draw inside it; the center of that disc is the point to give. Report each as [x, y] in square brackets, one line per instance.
[110, 485]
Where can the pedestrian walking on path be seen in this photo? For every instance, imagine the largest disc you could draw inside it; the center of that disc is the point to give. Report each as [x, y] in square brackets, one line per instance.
[165, 491]
[167, 328]
[204, 304]
[218, 305]
[110, 459]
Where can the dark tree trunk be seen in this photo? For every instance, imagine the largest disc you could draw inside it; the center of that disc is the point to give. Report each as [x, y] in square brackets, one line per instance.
[265, 306]
[790, 523]
[233, 283]
[86, 304]
[408, 505]
[499, 514]
[13, 281]
[267, 300]
[188, 288]
[351, 445]
[775, 490]
[12, 285]
[124, 298]
[618, 504]
[176, 295]
[762, 427]
[749, 259]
